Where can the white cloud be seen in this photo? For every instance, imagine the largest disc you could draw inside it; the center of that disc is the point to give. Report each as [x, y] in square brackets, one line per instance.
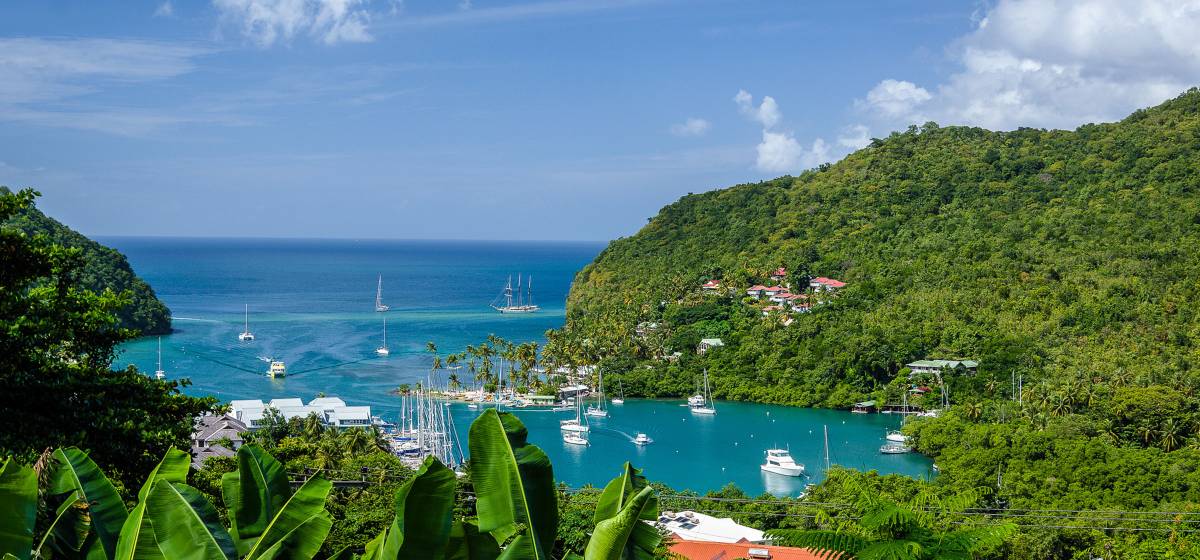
[1056, 65]
[767, 113]
[165, 10]
[855, 136]
[46, 81]
[267, 22]
[691, 127]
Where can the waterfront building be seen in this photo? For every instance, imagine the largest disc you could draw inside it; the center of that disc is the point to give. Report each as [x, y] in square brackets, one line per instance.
[331, 411]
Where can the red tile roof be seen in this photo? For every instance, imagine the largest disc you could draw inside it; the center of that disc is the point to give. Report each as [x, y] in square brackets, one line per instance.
[829, 282]
[779, 272]
[696, 550]
[712, 284]
[756, 288]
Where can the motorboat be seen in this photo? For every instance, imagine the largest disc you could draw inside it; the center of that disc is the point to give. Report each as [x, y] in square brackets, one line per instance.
[779, 461]
[642, 439]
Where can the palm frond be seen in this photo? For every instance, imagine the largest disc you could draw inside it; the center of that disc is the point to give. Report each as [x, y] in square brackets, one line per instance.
[891, 550]
[829, 545]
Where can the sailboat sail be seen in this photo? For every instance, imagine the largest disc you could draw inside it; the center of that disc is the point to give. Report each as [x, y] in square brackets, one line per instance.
[379, 306]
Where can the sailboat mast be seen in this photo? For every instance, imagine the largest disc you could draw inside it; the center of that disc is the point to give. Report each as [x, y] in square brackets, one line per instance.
[827, 448]
[518, 289]
[160, 353]
[247, 317]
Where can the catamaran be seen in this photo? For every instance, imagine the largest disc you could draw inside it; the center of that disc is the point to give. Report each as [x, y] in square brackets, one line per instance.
[524, 300]
[383, 350]
[779, 461]
[379, 306]
[705, 406]
[246, 334]
[159, 373]
[599, 411]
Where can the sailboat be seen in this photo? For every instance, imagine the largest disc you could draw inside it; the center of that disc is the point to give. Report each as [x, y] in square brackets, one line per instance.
[698, 398]
[379, 306]
[896, 436]
[524, 300]
[705, 406]
[246, 334]
[599, 411]
[620, 398]
[159, 373]
[383, 350]
[574, 438]
[576, 424]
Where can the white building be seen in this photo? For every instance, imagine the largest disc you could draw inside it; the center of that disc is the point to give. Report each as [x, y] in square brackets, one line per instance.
[692, 526]
[331, 411]
[707, 344]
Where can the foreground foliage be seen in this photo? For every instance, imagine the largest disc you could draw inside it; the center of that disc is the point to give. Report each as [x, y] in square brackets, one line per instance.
[516, 510]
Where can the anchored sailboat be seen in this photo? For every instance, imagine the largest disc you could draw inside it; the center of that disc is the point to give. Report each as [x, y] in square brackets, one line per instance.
[522, 303]
[379, 306]
[159, 373]
[383, 350]
[599, 411]
[246, 334]
[704, 406]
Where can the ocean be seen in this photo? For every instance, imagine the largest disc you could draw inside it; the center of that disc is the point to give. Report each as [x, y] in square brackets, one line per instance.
[311, 305]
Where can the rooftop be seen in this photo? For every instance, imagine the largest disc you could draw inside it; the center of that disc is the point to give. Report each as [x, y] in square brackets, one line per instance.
[698, 550]
[944, 364]
[692, 526]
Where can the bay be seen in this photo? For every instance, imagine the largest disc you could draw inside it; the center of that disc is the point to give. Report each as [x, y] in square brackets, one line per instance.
[312, 306]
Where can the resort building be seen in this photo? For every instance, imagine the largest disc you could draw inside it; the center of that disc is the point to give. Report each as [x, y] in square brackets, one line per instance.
[823, 284]
[692, 526]
[936, 367]
[707, 344]
[331, 411]
[699, 550]
[711, 287]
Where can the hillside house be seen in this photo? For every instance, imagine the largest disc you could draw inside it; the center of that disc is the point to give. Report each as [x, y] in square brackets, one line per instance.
[707, 344]
[208, 439]
[779, 275]
[936, 367]
[823, 284]
[694, 526]
[771, 309]
[711, 287]
[700, 550]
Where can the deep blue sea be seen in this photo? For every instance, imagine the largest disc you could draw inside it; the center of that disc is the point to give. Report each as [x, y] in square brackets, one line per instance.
[312, 306]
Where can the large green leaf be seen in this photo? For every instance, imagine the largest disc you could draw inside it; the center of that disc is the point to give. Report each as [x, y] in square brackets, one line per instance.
[66, 515]
[301, 543]
[307, 504]
[18, 509]
[105, 513]
[514, 486]
[611, 538]
[186, 525]
[421, 527]
[468, 543]
[137, 535]
[618, 494]
[254, 494]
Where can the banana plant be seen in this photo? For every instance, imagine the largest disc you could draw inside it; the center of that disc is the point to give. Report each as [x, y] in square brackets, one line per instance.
[18, 510]
[620, 533]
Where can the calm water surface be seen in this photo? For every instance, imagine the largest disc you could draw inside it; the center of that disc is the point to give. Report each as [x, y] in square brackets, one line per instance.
[312, 305]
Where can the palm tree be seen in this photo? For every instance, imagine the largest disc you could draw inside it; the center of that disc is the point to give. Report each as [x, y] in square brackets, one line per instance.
[1146, 433]
[1168, 435]
[974, 410]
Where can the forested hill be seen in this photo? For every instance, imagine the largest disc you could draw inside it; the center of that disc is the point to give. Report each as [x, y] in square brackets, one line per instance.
[103, 268]
[1033, 251]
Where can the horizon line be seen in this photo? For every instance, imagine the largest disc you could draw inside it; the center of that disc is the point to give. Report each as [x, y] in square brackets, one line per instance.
[314, 238]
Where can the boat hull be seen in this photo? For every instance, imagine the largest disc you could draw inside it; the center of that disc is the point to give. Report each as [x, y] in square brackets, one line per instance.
[702, 410]
[783, 471]
[574, 440]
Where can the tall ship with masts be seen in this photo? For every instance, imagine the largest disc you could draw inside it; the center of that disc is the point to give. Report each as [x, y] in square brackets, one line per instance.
[520, 301]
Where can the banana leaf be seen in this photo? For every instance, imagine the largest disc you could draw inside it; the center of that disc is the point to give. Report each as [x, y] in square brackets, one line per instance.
[613, 537]
[18, 509]
[301, 543]
[616, 495]
[302, 509]
[467, 543]
[137, 535]
[514, 486]
[253, 494]
[103, 513]
[424, 507]
[186, 525]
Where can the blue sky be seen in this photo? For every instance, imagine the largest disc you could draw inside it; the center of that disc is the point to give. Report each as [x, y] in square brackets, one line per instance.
[504, 119]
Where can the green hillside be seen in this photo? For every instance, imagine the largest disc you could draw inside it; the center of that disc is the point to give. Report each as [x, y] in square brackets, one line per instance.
[1051, 254]
[103, 268]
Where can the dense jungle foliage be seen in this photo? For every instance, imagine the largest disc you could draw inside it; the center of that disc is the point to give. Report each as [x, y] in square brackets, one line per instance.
[1049, 253]
[102, 268]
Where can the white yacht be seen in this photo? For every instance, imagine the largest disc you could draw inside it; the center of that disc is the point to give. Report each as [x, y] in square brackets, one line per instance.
[576, 424]
[642, 439]
[574, 439]
[705, 406]
[896, 436]
[246, 334]
[379, 306]
[779, 461]
[159, 373]
[383, 350]
[599, 411]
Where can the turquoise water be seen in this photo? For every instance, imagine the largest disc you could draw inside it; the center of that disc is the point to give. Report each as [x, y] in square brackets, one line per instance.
[312, 305]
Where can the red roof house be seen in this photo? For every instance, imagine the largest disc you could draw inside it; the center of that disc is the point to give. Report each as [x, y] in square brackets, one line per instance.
[699, 550]
[823, 283]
